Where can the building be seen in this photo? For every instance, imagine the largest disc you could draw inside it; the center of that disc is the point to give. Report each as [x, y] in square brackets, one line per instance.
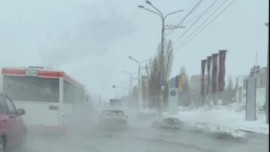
[195, 83]
[241, 89]
[195, 89]
[261, 79]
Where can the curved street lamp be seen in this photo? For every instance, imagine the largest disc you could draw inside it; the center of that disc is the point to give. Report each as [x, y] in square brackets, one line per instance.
[139, 74]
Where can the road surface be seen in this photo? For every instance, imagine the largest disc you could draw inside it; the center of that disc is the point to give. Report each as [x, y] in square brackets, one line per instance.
[140, 137]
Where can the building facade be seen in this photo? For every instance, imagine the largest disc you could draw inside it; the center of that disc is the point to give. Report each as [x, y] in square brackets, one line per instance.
[261, 79]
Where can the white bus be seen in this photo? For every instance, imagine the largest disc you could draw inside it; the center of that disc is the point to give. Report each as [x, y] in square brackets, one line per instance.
[49, 97]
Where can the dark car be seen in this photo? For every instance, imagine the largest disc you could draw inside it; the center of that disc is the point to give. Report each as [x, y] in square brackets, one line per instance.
[168, 123]
[12, 128]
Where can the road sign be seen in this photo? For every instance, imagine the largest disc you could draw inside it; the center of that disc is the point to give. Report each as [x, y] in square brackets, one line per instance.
[173, 93]
[173, 101]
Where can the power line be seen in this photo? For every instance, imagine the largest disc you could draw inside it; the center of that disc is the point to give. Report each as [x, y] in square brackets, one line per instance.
[209, 17]
[187, 41]
[187, 15]
[201, 15]
[209, 23]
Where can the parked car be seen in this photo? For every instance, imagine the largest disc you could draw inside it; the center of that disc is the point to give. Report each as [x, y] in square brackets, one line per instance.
[168, 123]
[12, 128]
[113, 119]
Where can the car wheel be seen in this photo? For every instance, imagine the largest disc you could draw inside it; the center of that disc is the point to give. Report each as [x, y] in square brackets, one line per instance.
[2, 145]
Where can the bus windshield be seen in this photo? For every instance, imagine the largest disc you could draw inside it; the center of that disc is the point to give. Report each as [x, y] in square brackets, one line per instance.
[32, 88]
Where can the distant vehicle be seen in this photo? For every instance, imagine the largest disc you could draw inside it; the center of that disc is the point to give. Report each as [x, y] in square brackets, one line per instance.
[12, 128]
[44, 92]
[168, 123]
[116, 102]
[113, 118]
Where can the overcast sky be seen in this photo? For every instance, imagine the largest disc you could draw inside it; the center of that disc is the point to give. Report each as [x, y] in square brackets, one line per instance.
[92, 39]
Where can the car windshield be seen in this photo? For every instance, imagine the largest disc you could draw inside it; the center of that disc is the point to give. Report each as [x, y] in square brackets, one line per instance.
[134, 75]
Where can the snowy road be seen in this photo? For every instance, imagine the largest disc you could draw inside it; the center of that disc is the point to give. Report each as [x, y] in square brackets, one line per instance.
[140, 137]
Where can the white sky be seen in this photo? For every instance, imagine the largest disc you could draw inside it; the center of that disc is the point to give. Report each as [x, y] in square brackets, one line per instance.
[91, 40]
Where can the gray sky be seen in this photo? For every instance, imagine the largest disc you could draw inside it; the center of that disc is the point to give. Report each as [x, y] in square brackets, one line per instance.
[91, 40]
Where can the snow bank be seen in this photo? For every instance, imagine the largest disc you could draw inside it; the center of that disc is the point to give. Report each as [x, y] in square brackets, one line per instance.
[219, 118]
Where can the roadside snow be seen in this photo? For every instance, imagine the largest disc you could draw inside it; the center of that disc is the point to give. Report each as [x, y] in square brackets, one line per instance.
[230, 119]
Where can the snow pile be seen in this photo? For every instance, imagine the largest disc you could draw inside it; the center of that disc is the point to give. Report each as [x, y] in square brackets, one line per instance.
[206, 128]
[220, 118]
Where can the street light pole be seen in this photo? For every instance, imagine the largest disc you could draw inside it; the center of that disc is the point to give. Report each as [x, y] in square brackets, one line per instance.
[130, 85]
[139, 76]
[139, 68]
[131, 77]
[163, 17]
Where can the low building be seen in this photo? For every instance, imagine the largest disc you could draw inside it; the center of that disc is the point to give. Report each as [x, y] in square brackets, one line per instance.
[195, 89]
[195, 83]
[241, 89]
[261, 79]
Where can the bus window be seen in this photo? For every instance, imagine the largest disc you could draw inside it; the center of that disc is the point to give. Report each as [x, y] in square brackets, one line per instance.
[31, 88]
[72, 94]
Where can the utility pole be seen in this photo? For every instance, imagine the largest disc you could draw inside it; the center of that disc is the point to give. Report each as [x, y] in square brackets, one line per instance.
[163, 26]
[163, 17]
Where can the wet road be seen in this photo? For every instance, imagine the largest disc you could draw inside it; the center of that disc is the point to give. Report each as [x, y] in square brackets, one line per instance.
[140, 137]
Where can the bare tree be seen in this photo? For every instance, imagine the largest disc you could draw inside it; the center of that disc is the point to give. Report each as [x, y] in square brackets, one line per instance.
[229, 94]
[168, 60]
[159, 72]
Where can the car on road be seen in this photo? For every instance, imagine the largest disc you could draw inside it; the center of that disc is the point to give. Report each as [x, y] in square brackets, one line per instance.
[12, 128]
[168, 123]
[113, 119]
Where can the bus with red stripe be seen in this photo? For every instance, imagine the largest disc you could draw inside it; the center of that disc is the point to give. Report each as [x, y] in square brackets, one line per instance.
[49, 97]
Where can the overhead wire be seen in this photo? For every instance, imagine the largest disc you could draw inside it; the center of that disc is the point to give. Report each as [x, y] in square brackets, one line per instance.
[186, 16]
[207, 19]
[197, 20]
[213, 19]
